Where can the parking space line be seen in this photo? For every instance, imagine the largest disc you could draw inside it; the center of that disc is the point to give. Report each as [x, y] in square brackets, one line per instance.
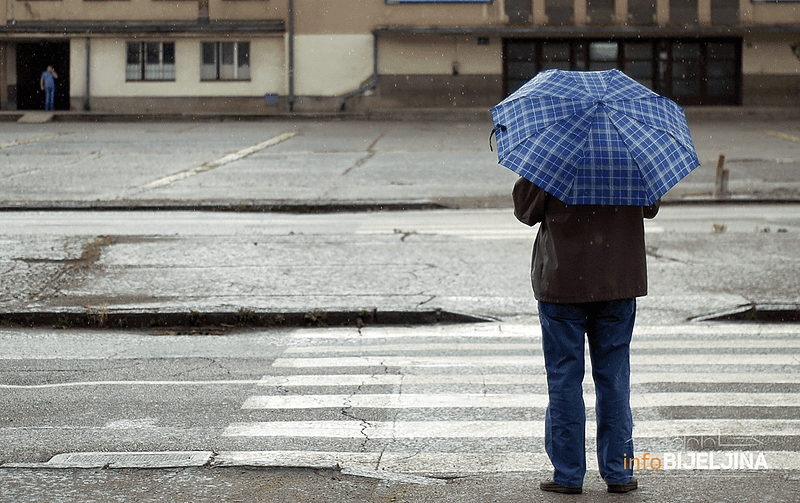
[16, 143]
[785, 136]
[180, 175]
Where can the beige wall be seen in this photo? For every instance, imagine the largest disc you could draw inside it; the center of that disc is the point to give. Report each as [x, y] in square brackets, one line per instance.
[345, 16]
[72, 10]
[108, 71]
[331, 65]
[437, 54]
[77, 67]
[362, 16]
[775, 14]
[769, 58]
[140, 10]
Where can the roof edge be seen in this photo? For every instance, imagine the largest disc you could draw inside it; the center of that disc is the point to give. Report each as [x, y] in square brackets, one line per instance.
[144, 27]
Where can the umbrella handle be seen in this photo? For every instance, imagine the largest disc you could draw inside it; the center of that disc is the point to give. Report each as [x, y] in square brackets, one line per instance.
[494, 133]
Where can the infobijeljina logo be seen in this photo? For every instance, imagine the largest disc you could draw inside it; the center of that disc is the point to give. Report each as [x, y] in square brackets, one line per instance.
[704, 452]
[714, 460]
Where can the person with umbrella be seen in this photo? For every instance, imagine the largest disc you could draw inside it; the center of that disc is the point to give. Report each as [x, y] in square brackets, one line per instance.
[595, 151]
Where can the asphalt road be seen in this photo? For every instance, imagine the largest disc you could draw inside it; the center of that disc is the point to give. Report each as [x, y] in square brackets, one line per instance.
[703, 259]
[312, 163]
[437, 402]
[362, 410]
[459, 403]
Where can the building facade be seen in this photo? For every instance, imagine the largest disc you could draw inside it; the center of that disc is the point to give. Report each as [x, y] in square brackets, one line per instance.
[138, 56]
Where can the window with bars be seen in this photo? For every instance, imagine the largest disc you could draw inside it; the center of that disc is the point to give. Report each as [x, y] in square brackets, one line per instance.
[150, 61]
[225, 61]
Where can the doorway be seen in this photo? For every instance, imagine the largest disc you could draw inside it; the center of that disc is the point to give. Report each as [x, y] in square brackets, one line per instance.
[32, 60]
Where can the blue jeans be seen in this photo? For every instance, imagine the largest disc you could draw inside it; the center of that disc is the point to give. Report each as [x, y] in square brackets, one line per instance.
[608, 326]
[49, 95]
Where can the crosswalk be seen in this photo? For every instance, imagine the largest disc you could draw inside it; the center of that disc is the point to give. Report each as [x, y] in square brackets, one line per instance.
[458, 400]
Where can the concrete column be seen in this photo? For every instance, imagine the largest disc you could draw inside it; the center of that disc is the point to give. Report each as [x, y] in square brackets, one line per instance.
[539, 14]
[704, 12]
[203, 15]
[3, 76]
[662, 12]
[580, 13]
[621, 11]
[745, 12]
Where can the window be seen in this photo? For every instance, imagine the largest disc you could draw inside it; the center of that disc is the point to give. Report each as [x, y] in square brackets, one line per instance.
[683, 12]
[642, 12]
[638, 62]
[150, 61]
[603, 56]
[725, 11]
[560, 12]
[601, 12]
[225, 61]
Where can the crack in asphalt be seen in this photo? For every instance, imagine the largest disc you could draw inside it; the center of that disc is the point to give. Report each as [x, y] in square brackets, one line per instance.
[652, 252]
[431, 298]
[364, 422]
[370, 153]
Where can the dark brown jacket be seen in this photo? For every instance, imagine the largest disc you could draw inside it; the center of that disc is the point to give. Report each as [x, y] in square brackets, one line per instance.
[584, 253]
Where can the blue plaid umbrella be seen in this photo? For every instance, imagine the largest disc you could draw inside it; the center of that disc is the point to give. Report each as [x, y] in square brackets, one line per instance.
[594, 138]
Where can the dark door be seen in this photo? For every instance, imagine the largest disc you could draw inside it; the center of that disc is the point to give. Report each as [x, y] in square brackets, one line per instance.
[32, 60]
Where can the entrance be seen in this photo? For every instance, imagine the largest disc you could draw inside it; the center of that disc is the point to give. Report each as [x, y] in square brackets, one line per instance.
[689, 71]
[32, 60]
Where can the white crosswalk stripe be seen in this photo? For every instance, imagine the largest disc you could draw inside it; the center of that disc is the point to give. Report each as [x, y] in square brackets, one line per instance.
[446, 400]
[443, 401]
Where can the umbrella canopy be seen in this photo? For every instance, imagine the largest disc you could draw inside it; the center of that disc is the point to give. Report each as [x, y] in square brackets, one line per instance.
[594, 138]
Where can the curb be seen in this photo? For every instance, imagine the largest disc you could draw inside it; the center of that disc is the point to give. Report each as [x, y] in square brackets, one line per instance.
[227, 206]
[477, 114]
[220, 322]
[210, 459]
[327, 207]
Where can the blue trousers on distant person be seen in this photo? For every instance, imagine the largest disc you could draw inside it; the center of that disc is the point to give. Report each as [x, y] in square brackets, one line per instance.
[608, 327]
[49, 98]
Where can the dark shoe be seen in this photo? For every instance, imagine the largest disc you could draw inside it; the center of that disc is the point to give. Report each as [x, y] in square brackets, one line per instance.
[553, 487]
[623, 488]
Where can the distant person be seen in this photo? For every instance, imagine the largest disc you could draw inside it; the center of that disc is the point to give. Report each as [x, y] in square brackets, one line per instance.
[48, 84]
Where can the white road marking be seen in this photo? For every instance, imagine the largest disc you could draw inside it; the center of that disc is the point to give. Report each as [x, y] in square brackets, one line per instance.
[657, 344]
[505, 429]
[538, 360]
[29, 140]
[499, 401]
[447, 463]
[220, 162]
[128, 383]
[785, 136]
[533, 329]
[314, 380]
[317, 380]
